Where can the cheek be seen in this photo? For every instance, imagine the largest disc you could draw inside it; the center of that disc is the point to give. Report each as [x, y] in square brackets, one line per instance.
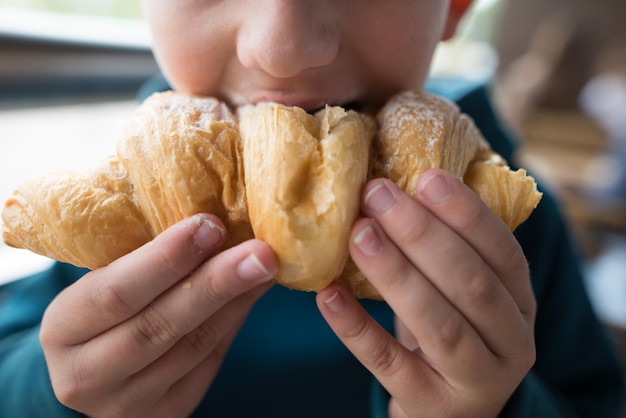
[191, 61]
[407, 63]
[183, 67]
[401, 51]
[186, 66]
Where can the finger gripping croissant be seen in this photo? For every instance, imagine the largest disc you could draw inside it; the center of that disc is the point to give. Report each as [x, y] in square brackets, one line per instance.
[268, 171]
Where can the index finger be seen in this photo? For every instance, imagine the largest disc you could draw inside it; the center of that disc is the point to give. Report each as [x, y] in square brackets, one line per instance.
[112, 294]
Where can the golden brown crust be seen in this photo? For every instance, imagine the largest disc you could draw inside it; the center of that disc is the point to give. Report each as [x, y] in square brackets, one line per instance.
[183, 155]
[419, 131]
[304, 174]
[85, 219]
[274, 172]
[512, 195]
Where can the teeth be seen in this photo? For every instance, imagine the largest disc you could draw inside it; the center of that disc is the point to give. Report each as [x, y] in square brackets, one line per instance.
[352, 106]
[314, 111]
[347, 106]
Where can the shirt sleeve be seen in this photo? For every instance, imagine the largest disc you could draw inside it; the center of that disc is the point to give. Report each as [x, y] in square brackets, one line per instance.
[24, 379]
[577, 363]
[533, 399]
[577, 367]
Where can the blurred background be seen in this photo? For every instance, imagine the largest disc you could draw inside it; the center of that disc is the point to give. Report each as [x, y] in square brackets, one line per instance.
[70, 71]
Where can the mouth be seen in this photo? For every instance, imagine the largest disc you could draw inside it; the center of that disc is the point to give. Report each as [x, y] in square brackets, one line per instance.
[310, 103]
[354, 106]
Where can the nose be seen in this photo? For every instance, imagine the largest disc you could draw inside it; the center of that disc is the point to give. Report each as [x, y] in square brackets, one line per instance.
[285, 37]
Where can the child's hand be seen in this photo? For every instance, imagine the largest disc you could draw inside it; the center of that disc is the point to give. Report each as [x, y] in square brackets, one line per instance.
[146, 335]
[459, 284]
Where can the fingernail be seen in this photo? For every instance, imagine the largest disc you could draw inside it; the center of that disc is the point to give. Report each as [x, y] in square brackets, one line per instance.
[252, 269]
[335, 302]
[368, 241]
[208, 234]
[380, 198]
[436, 189]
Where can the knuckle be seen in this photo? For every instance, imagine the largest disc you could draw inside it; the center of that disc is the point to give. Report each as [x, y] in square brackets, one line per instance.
[166, 262]
[480, 290]
[415, 231]
[448, 335]
[48, 333]
[400, 273]
[529, 310]
[516, 262]
[153, 329]
[524, 352]
[358, 331]
[381, 355]
[72, 389]
[215, 291]
[204, 338]
[473, 216]
[384, 358]
[108, 300]
[70, 395]
[529, 355]
[67, 392]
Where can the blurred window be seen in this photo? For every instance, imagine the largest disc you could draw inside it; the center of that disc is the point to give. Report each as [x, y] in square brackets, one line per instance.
[127, 9]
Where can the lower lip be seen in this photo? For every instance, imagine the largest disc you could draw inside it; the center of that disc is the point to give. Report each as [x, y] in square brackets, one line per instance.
[291, 99]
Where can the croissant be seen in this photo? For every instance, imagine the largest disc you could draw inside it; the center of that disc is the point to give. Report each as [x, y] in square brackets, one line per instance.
[268, 171]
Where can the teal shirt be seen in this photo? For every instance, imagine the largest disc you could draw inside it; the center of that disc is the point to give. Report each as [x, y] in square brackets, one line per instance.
[286, 362]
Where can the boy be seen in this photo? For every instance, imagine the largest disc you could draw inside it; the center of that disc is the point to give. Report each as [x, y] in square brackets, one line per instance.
[129, 340]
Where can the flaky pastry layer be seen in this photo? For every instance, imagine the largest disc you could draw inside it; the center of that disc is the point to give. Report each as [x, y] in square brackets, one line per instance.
[268, 171]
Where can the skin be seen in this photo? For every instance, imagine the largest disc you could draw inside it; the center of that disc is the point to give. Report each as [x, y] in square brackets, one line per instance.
[464, 335]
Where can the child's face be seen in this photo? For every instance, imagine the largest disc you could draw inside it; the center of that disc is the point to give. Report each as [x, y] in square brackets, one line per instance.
[297, 52]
